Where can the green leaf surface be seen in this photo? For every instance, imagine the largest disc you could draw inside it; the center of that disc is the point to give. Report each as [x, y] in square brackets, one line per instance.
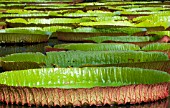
[160, 33]
[24, 15]
[22, 38]
[57, 29]
[97, 47]
[113, 18]
[2, 23]
[155, 65]
[154, 23]
[157, 46]
[146, 9]
[136, 13]
[24, 35]
[164, 16]
[21, 11]
[79, 58]
[127, 30]
[57, 21]
[24, 57]
[82, 77]
[26, 30]
[16, 4]
[100, 39]
[51, 7]
[17, 20]
[90, 13]
[2, 5]
[107, 23]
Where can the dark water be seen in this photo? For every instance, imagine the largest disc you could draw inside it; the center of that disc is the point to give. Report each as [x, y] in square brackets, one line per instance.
[19, 48]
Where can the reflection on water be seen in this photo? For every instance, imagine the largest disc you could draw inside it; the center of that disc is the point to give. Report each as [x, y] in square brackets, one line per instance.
[5, 50]
[159, 104]
[19, 48]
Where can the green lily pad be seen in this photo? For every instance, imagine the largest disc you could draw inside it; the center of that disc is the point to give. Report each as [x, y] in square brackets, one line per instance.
[100, 39]
[108, 24]
[97, 47]
[160, 33]
[80, 78]
[157, 46]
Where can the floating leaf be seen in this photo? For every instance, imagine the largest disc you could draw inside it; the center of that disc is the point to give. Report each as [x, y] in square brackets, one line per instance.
[153, 23]
[21, 11]
[79, 58]
[160, 33]
[147, 9]
[17, 20]
[51, 7]
[24, 15]
[27, 30]
[157, 17]
[20, 61]
[128, 30]
[156, 65]
[57, 21]
[58, 29]
[90, 13]
[2, 23]
[157, 46]
[97, 47]
[107, 83]
[26, 57]
[100, 39]
[80, 33]
[116, 18]
[23, 35]
[83, 77]
[107, 24]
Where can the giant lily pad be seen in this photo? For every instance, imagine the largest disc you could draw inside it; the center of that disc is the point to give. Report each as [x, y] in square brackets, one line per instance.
[157, 46]
[23, 61]
[58, 86]
[52, 7]
[104, 24]
[80, 58]
[115, 18]
[146, 9]
[22, 11]
[153, 23]
[57, 29]
[89, 13]
[57, 21]
[160, 33]
[100, 39]
[97, 47]
[22, 15]
[23, 35]
[46, 22]
[156, 65]
[79, 34]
